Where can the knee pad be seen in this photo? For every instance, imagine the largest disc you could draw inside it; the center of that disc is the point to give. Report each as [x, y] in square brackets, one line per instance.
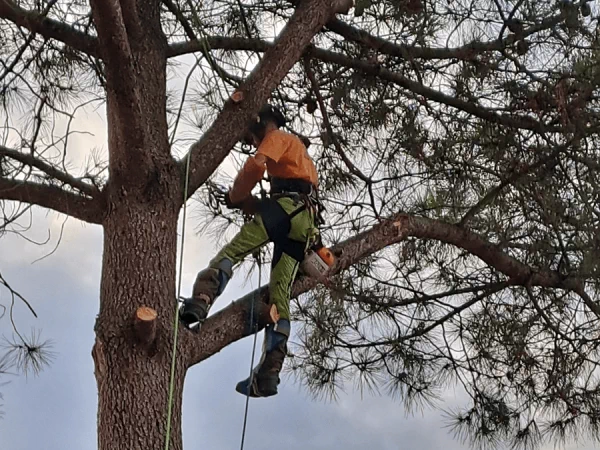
[212, 280]
[225, 268]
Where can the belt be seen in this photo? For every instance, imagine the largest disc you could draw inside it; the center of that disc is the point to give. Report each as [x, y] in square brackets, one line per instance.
[297, 185]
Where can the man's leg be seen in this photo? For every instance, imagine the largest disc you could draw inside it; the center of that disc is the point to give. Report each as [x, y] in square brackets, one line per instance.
[265, 377]
[211, 281]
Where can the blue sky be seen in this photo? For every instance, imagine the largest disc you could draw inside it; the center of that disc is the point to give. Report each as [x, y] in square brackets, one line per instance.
[57, 409]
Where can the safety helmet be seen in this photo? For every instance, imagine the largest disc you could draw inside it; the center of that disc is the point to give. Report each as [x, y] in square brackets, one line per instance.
[267, 113]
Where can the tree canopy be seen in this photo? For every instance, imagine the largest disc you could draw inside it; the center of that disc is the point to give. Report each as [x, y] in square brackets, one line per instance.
[457, 147]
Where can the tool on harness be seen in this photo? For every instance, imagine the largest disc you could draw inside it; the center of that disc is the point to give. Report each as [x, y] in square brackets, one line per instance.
[317, 262]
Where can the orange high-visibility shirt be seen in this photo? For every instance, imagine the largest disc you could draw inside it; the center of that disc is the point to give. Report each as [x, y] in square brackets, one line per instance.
[287, 157]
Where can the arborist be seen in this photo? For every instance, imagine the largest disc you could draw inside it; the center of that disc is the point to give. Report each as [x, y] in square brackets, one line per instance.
[288, 217]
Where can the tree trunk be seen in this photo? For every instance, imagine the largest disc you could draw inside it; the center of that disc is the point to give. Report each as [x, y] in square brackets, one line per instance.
[140, 235]
[139, 268]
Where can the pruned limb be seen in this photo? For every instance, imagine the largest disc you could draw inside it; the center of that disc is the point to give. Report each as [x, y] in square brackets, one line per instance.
[49, 28]
[52, 197]
[144, 325]
[230, 125]
[229, 324]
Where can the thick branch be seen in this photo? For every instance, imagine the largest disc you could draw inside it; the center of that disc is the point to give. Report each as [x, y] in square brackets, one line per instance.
[368, 68]
[230, 126]
[53, 197]
[49, 28]
[50, 170]
[467, 51]
[227, 326]
[122, 85]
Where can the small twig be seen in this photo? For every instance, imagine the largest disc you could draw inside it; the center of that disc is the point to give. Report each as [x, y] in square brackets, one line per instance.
[16, 294]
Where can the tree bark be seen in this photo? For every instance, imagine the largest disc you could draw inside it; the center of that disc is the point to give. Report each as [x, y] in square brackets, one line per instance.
[139, 264]
[143, 197]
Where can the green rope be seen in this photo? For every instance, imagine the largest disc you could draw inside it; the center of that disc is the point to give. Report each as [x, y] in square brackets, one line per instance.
[176, 326]
[205, 50]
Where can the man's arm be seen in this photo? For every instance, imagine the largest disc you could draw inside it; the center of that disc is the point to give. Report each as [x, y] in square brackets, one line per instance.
[248, 176]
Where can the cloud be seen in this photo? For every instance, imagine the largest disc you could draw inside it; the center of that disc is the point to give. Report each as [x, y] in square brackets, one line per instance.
[57, 409]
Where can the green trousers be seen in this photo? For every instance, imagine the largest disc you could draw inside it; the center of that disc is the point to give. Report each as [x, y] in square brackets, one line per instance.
[253, 235]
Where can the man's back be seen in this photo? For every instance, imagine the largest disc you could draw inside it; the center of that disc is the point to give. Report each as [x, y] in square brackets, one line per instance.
[287, 157]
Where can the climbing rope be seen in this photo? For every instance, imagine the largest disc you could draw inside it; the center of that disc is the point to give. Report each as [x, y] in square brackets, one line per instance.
[176, 326]
[206, 52]
[253, 328]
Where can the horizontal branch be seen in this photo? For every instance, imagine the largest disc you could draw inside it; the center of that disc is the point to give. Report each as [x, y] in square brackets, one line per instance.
[227, 326]
[49, 28]
[50, 170]
[465, 52]
[371, 69]
[230, 126]
[508, 120]
[52, 197]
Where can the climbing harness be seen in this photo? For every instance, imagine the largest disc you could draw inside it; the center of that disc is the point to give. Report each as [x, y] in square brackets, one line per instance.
[316, 260]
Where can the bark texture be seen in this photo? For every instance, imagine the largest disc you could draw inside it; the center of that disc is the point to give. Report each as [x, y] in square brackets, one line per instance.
[138, 269]
[143, 198]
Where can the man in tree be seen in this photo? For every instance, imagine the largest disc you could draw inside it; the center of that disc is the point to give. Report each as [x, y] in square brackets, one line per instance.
[287, 218]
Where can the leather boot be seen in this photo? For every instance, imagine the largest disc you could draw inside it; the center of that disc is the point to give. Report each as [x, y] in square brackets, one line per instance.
[209, 284]
[194, 311]
[264, 379]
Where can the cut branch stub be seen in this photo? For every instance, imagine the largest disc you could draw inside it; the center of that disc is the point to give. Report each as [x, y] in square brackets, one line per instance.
[144, 325]
[237, 96]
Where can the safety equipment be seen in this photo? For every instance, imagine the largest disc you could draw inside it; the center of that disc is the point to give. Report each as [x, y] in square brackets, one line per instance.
[302, 189]
[267, 113]
[317, 262]
[264, 379]
[209, 284]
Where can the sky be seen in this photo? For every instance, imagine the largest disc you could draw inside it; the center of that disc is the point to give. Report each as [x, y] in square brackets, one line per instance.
[56, 410]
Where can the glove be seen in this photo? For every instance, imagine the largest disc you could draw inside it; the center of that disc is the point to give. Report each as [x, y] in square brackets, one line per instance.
[249, 205]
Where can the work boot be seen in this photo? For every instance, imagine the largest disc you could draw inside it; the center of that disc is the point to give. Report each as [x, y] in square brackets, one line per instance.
[209, 284]
[264, 379]
[194, 311]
